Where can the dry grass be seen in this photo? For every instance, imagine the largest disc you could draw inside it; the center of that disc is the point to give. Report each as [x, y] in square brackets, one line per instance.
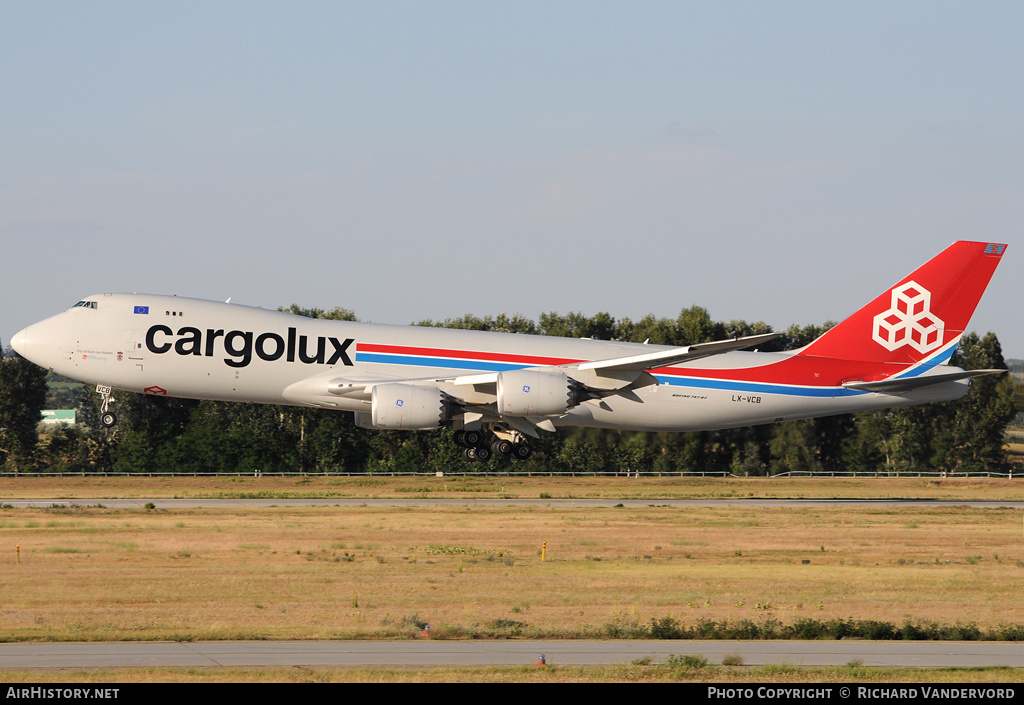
[96, 487]
[321, 573]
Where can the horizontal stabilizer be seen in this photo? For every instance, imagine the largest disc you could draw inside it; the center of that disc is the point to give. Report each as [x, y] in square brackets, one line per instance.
[907, 384]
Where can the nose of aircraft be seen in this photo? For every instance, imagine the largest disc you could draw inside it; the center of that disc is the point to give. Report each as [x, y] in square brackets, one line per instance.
[20, 341]
[40, 342]
[47, 342]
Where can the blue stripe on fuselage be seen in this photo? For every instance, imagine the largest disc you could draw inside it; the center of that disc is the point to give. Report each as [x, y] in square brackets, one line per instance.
[731, 385]
[445, 363]
[941, 359]
[725, 385]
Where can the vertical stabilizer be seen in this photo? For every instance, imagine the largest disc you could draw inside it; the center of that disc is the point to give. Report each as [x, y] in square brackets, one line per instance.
[922, 316]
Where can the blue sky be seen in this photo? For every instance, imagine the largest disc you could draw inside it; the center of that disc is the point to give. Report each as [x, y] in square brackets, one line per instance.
[781, 161]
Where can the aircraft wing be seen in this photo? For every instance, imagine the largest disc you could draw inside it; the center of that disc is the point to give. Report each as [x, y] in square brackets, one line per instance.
[618, 372]
[674, 356]
[906, 384]
[477, 394]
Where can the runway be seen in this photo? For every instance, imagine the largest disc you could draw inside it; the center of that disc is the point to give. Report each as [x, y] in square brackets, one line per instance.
[505, 653]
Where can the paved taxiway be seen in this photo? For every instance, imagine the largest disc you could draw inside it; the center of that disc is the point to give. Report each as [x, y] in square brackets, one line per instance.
[505, 652]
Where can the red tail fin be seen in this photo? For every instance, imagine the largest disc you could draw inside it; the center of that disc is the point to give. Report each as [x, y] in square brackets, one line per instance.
[922, 316]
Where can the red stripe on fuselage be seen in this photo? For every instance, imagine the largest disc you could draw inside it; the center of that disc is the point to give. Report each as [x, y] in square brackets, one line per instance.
[535, 360]
[796, 370]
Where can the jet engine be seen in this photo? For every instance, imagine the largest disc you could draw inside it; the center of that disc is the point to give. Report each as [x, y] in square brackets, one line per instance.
[537, 393]
[408, 406]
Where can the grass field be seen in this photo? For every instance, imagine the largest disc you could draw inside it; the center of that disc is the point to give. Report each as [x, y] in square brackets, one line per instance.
[92, 573]
[516, 486]
[364, 572]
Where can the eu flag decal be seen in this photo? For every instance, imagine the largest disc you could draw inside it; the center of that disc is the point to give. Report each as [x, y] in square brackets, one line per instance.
[142, 309]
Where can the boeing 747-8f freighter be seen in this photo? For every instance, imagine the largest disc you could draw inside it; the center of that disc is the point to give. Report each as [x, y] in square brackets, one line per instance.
[893, 352]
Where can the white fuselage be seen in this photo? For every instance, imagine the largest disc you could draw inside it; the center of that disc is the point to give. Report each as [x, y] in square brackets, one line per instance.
[191, 348]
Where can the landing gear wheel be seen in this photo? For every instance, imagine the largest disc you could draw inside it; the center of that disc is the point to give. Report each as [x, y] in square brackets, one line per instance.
[502, 447]
[521, 451]
[460, 439]
[107, 418]
[471, 438]
[477, 454]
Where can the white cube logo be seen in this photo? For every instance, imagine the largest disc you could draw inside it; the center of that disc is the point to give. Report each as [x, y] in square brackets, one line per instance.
[909, 321]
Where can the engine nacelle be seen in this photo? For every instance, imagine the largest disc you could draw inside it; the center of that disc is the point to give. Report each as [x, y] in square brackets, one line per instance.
[537, 393]
[408, 407]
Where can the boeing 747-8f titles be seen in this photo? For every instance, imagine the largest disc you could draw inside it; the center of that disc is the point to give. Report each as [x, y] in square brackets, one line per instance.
[893, 352]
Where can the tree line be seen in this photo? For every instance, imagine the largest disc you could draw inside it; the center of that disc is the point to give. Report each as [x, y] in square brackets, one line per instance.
[156, 434]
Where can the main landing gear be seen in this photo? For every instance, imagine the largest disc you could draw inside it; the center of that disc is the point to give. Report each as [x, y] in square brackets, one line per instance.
[474, 447]
[107, 418]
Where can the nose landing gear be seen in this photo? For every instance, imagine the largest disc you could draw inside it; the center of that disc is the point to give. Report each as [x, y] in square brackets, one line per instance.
[108, 419]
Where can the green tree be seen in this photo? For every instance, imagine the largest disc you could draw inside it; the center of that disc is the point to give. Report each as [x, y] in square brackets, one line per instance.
[148, 427]
[335, 314]
[22, 399]
[581, 454]
[694, 326]
[517, 323]
[576, 325]
[657, 331]
[687, 451]
[467, 322]
[911, 434]
[634, 454]
[749, 462]
[799, 336]
[793, 446]
[867, 447]
[742, 329]
[973, 434]
[333, 443]
[831, 436]
[69, 449]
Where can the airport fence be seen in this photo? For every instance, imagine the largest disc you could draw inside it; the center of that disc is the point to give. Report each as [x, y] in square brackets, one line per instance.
[1010, 475]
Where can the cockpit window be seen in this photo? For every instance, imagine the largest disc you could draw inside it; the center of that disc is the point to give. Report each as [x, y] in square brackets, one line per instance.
[85, 304]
